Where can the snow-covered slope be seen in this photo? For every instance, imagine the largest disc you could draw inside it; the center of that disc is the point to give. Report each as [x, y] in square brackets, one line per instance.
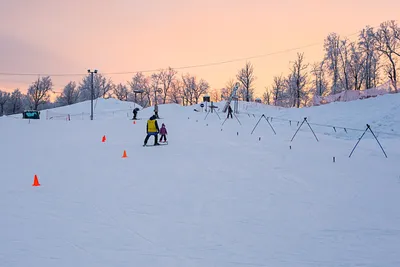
[381, 113]
[216, 195]
[101, 108]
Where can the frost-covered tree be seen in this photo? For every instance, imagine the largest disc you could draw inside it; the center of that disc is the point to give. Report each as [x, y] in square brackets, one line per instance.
[319, 80]
[228, 89]
[299, 78]
[69, 95]
[366, 44]
[101, 86]
[278, 90]
[344, 64]
[267, 96]
[246, 77]
[387, 43]
[4, 98]
[15, 104]
[38, 92]
[290, 92]
[332, 52]
[356, 64]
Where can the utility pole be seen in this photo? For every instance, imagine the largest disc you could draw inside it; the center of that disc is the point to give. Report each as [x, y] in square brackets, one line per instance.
[92, 93]
[156, 90]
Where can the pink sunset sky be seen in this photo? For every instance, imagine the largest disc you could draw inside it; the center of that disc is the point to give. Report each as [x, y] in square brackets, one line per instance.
[53, 36]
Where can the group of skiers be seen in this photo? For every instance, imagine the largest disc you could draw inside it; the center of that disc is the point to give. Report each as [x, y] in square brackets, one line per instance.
[152, 128]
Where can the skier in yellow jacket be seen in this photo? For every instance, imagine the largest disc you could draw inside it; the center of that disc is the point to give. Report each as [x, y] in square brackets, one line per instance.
[152, 129]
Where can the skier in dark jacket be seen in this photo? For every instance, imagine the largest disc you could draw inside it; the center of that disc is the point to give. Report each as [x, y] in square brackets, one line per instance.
[135, 111]
[152, 129]
[229, 112]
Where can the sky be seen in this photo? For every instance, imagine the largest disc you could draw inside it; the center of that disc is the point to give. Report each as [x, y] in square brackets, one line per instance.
[112, 36]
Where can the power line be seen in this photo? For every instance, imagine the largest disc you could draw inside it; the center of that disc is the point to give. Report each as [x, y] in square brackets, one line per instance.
[41, 74]
[176, 68]
[218, 62]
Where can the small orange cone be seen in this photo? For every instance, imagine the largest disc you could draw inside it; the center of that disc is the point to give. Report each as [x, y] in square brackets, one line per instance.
[134, 122]
[35, 181]
[124, 155]
[103, 139]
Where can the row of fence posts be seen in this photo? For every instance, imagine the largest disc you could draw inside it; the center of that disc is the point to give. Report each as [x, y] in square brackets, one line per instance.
[368, 128]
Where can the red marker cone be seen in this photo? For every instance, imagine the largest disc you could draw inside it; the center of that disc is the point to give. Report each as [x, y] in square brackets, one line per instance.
[35, 181]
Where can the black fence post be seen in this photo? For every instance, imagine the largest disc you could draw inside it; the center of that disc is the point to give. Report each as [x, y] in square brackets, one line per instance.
[305, 120]
[259, 122]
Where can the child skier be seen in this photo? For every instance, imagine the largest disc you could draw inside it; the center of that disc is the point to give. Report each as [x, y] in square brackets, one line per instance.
[163, 132]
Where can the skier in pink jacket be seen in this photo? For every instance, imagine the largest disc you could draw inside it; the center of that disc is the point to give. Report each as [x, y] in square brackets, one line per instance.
[163, 132]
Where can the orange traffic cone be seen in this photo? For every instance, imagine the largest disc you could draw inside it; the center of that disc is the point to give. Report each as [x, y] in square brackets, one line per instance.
[134, 122]
[35, 181]
[103, 139]
[124, 155]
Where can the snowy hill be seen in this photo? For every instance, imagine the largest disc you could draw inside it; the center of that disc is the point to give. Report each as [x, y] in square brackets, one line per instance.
[101, 108]
[381, 113]
[216, 195]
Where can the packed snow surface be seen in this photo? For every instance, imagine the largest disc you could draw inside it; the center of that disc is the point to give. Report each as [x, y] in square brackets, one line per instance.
[216, 195]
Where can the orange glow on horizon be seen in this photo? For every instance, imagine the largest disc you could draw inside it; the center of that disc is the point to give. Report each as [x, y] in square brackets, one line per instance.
[156, 34]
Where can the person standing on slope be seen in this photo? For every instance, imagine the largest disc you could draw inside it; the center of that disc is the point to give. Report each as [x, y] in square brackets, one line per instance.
[135, 111]
[229, 112]
[156, 111]
[163, 132]
[152, 129]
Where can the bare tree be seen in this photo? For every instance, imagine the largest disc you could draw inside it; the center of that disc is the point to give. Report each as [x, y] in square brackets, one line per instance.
[4, 98]
[215, 95]
[227, 90]
[121, 92]
[193, 90]
[176, 92]
[267, 95]
[332, 51]
[166, 78]
[155, 83]
[200, 89]
[299, 76]
[38, 92]
[356, 64]
[15, 102]
[140, 83]
[189, 84]
[344, 60]
[289, 98]
[69, 96]
[278, 88]
[366, 44]
[388, 44]
[246, 77]
[320, 83]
